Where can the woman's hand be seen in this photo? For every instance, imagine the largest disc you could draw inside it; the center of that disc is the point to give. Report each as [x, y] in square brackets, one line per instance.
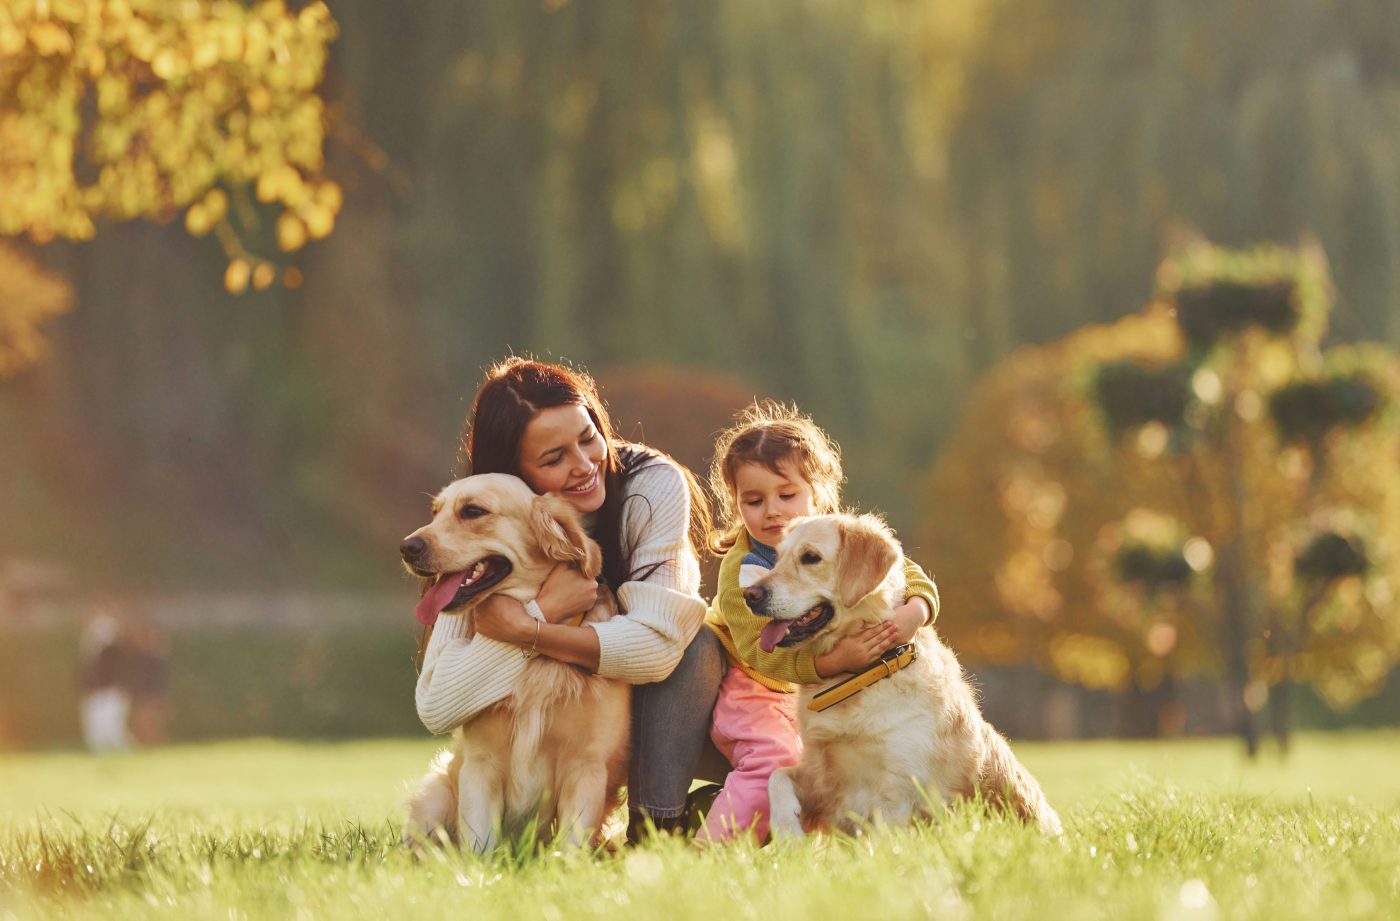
[857, 651]
[504, 619]
[566, 594]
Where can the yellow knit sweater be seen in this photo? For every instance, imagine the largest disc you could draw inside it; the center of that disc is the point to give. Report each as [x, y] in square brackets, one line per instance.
[738, 628]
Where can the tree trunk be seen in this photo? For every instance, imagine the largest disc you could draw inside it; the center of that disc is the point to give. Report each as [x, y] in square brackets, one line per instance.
[1281, 712]
[1148, 713]
[1234, 600]
[1137, 716]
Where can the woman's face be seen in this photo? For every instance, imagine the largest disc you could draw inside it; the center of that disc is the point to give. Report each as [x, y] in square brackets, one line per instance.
[562, 452]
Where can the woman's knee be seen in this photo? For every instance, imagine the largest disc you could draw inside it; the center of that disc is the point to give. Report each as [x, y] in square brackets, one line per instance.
[703, 660]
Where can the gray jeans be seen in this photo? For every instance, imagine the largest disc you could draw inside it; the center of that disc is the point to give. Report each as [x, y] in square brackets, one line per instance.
[671, 730]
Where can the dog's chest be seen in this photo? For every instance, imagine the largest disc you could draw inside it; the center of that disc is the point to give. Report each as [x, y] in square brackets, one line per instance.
[872, 744]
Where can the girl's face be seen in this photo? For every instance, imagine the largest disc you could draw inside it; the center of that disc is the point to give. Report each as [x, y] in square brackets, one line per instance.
[562, 452]
[770, 501]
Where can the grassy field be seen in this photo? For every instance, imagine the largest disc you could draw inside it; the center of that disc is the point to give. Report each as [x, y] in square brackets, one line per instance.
[277, 830]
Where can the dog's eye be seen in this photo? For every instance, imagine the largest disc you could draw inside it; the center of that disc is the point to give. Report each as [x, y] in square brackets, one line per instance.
[809, 558]
[471, 511]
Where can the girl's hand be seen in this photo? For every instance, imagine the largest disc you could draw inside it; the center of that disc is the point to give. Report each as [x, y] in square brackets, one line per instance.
[504, 619]
[909, 617]
[855, 652]
[566, 594]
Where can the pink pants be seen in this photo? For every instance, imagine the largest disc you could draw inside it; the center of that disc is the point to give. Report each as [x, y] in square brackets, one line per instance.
[756, 729]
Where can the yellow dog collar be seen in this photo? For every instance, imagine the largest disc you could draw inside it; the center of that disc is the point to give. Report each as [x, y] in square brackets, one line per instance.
[892, 661]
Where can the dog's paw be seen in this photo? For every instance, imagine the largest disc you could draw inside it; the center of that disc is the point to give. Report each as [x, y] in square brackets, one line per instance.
[420, 841]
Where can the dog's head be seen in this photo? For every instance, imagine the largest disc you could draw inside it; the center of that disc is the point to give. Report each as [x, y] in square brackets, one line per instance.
[827, 582]
[490, 533]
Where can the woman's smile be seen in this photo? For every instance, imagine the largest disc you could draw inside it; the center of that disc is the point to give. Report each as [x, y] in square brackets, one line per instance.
[584, 488]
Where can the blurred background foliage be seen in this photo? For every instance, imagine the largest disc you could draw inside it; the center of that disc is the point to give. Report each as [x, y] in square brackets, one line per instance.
[1156, 503]
[886, 211]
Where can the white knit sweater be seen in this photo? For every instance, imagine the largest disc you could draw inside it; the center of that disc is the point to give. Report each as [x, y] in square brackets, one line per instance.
[461, 677]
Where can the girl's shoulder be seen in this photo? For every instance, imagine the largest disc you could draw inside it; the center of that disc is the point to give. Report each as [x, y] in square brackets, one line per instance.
[734, 558]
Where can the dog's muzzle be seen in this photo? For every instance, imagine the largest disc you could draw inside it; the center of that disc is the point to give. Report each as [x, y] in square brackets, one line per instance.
[412, 549]
[756, 597]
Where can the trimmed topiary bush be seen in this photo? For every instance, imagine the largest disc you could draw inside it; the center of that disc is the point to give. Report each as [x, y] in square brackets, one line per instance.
[1208, 313]
[1152, 567]
[1306, 411]
[1131, 395]
[1332, 556]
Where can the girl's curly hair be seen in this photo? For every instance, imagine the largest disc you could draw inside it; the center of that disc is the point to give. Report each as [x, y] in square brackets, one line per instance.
[772, 434]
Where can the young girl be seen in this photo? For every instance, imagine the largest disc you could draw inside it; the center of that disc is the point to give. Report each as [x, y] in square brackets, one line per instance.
[773, 466]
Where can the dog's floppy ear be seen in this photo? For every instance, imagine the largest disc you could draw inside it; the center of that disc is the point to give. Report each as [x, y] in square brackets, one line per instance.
[867, 554]
[561, 536]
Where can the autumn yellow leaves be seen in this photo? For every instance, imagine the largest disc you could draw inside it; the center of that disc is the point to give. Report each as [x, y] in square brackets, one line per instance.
[122, 109]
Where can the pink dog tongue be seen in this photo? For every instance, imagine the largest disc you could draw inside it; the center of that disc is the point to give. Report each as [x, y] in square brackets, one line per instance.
[438, 597]
[773, 633]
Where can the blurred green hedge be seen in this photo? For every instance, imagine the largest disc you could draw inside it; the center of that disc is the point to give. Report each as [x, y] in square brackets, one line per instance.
[341, 680]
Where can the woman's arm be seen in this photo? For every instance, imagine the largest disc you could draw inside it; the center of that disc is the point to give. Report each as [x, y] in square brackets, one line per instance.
[663, 612]
[566, 594]
[462, 676]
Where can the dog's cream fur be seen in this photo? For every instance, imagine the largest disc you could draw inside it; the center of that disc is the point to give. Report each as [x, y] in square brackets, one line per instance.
[916, 736]
[555, 750]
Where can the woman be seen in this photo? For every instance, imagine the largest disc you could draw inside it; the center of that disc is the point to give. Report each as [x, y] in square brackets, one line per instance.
[545, 424]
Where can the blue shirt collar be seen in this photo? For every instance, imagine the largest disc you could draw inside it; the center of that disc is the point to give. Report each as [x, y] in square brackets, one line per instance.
[764, 552]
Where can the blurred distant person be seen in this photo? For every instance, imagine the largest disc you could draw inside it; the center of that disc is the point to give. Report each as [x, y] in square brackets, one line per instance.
[106, 702]
[146, 679]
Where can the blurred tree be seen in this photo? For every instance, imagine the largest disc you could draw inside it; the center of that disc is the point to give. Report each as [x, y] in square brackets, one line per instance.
[1208, 433]
[844, 203]
[28, 297]
[752, 188]
[124, 109]
[677, 410]
[1090, 127]
[1033, 519]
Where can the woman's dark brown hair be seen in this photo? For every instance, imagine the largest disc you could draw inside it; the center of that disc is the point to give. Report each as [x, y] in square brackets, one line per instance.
[514, 391]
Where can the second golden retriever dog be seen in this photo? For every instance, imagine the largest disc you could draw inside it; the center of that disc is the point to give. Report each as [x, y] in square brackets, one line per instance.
[883, 744]
[555, 750]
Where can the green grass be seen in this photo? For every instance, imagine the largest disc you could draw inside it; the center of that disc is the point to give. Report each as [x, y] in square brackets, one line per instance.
[283, 830]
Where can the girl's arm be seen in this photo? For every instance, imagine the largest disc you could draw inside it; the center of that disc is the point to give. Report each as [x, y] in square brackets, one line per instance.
[920, 609]
[664, 612]
[918, 585]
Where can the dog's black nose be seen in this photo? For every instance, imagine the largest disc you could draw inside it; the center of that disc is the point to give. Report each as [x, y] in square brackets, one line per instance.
[754, 596]
[412, 548]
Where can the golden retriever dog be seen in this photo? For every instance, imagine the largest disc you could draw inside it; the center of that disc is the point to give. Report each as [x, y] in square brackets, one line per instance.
[883, 753]
[555, 750]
